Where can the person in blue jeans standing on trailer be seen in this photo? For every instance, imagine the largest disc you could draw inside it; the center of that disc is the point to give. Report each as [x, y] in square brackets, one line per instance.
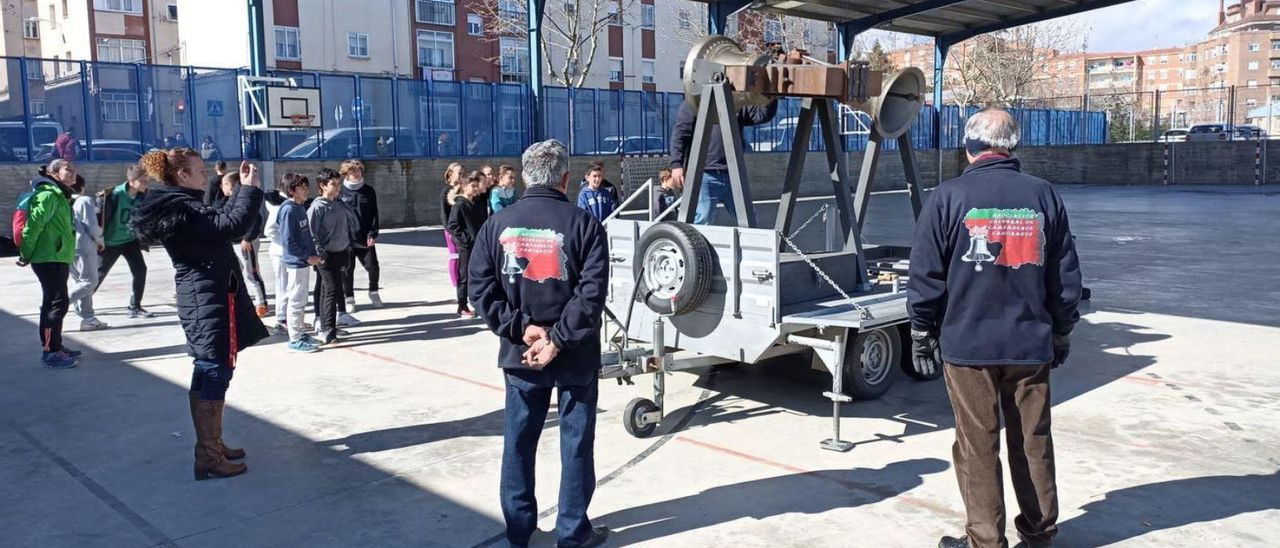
[538, 275]
[715, 176]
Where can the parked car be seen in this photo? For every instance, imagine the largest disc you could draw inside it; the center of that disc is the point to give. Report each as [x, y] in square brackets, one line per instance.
[1177, 135]
[13, 136]
[618, 146]
[1209, 132]
[104, 150]
[1248, 132]
[345, 143]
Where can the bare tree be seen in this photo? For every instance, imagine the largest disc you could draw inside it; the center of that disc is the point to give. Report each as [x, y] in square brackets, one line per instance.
[571, 31]
[1005, 67]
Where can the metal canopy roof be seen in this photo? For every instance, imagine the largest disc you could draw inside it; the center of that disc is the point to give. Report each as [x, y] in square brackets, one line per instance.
[950, 20]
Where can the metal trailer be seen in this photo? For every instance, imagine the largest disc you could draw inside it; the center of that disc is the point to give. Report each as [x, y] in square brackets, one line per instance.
[683, 296]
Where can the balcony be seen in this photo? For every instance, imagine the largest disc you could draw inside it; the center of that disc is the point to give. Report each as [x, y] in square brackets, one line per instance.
[436, 12]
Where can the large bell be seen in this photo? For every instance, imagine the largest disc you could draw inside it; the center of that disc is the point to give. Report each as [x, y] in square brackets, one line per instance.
[978, 252]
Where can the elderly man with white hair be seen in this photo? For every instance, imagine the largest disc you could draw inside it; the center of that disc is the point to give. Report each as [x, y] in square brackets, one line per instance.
[994, 285]
[539, 271]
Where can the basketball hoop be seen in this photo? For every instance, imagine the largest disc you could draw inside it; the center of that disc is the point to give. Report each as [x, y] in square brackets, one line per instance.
[301, 121]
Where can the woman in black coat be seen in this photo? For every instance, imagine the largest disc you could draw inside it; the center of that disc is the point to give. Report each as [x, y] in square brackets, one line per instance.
[465, 219]
[213, 305]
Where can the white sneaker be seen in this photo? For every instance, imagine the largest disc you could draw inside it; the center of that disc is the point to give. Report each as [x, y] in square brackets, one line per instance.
[375, 300]
[93, 324]
[347, 320]
[351, 303]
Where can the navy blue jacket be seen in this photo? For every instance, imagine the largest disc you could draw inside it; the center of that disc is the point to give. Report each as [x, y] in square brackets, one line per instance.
[599, 203]
[993, 269]
[295, 235]
[687, 117]
[542, 261]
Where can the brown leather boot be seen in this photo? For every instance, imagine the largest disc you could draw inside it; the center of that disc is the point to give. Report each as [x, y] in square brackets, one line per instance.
[209, 458]
[231, 454]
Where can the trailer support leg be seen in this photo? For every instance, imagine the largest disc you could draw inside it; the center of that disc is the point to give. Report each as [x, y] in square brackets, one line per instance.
[660, 377]
[831, 352]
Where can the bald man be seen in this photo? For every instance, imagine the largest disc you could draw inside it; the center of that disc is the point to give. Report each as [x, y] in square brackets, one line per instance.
[994, 284]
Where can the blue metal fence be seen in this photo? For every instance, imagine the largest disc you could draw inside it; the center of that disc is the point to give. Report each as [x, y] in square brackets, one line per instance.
[116, 111]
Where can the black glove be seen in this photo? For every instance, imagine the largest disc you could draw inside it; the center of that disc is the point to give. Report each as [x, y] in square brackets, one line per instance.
[1061, 349]
[926, 357]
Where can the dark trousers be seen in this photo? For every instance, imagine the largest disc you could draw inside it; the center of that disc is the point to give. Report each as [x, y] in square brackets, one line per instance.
[367, 257]
[331, 279]
[211, 380]
[526, 415]
[132, 253]
[980, 397]
[315, 295]
[464, 256]
[54, 302]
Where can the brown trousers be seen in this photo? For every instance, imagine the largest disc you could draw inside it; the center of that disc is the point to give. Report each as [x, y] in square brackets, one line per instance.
[980, 397]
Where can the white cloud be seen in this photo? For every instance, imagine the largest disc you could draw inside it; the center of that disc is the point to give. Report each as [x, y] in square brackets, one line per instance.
[1148, 24]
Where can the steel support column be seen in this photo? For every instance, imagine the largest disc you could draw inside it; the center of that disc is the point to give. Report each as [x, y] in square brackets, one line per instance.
[718, 13]
[535, 10]
[940, 49]
[258, 66]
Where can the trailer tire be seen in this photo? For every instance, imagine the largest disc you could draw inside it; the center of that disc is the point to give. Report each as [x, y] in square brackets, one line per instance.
[676, 267]
[871, 363]
[633, 417]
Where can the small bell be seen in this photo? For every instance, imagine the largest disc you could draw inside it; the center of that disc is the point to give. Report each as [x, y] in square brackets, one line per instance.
[978, 252]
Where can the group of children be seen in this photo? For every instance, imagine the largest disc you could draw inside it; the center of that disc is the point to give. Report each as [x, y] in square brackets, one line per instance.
[466, 202]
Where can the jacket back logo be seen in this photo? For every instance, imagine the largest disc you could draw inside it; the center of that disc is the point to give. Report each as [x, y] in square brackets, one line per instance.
[541, 249]
[1019, 233]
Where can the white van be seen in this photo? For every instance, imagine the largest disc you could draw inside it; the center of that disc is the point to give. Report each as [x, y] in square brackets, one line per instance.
[13, 136]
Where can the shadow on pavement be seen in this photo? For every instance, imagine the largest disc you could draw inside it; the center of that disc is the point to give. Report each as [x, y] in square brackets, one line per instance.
[101, 455]
[488, 424]
[1126, 514]
[807, 493]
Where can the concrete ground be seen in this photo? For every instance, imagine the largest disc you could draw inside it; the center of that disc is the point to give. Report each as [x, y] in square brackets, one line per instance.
[1167, 416]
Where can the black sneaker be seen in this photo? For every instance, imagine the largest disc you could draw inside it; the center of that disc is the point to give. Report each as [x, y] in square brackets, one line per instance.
[953, 542]
[598, 536]
[137, 313]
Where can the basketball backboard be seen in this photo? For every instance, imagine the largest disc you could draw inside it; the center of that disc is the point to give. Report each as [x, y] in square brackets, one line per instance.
[278, 104]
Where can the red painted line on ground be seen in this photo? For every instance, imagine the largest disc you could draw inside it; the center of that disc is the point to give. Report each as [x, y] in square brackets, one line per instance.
[493, 387]
[852, 486]
[1143, 380]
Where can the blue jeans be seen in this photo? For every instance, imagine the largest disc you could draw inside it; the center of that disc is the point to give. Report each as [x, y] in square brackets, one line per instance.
[211, 380]
[715, 187]
[526, 415]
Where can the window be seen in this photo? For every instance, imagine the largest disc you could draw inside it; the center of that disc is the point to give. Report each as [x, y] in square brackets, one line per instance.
[570, 8]
[646, 71]
[119, 107]
[1254, 46]
[512, 11]
[1164, 59]
[773, 31]
[66, 9]
[646, 16]
[680, 75]
[685, 23]
[1192, 56]
[122, 6]
[435, 49]
[358, 45]
[53, 16]
[287, 44]
[572, 71]
[1251, 103]
[441, 113]
[36, 73]
[121, 50]
[436, 12]
[31, 29]
[515, 59]
[1164, 74]
[1275, 63]
[1189, 74]
[37, 108]
[615, 18]
[475, 25]
[173, 12]
[1275, 45]
[1253, 65]
[1251, 83]
[615, 70]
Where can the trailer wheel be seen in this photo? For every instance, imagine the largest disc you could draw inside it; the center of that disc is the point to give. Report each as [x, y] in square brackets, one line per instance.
[871, 363]
[633, 417]
[676, 267]
[908, 367]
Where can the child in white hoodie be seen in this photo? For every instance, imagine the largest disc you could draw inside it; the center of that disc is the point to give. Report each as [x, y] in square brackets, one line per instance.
[84, 270]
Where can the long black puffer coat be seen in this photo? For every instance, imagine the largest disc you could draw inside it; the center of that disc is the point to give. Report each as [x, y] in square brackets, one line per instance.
[211, 293]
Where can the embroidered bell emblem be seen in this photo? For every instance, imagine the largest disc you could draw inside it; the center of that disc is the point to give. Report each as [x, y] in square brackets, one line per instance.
[978, 252]
[511, 265]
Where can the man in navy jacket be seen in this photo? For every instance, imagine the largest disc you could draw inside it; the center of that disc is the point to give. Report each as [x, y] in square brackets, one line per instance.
[994, 285]
[539, 277]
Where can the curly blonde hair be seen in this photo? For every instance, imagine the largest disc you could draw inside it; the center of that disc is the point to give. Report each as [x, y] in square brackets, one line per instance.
[164, 165]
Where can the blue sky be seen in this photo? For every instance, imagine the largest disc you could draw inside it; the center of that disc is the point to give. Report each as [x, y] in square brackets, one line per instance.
[1147, 24]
